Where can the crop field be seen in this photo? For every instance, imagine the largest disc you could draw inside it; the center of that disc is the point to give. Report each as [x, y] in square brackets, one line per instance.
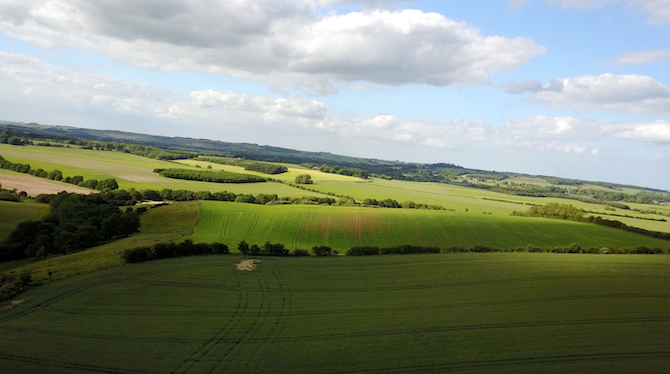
[133, 171]
[130, 171]
[472, 313]
[34, 186]
[303, 226]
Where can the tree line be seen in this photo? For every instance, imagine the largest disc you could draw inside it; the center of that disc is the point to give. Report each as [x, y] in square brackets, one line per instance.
[188, 248]
[132, 196]
[8, 137]
[352, 172]
[75, 222]
[261, 167]
[209, 176]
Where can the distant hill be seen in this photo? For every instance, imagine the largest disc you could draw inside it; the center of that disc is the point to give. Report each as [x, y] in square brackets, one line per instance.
[439, 172]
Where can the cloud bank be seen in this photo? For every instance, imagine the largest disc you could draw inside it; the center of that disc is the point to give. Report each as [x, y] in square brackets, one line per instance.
[279, 42]
[638, 58]
[631, 93]
[659, 10]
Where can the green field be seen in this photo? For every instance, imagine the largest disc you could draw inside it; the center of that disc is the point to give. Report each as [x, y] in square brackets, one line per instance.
[137, 172]
[163, 224]
[303, 226]
[130, 171]
[13, 213]
[472, 313]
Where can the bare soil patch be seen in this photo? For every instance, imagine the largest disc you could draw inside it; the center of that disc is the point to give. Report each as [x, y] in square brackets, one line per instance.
[247, 265]
[35, 186]
[12, 304]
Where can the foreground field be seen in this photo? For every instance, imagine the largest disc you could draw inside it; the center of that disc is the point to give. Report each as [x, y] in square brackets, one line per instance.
[303, 226]
[472, 313]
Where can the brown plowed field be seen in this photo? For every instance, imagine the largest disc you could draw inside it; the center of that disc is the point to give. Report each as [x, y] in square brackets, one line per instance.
[35, 186]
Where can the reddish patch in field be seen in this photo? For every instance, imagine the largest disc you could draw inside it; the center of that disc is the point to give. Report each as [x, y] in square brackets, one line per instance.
[35, 186]
[324, 225]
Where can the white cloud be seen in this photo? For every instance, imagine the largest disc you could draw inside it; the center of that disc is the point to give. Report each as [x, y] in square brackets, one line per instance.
[291, 106]
[624, 93]
[637, 58]
[657, 132]
[529, 85]
[42, 89]
[280, 42]
[367, 4]
[659, 10]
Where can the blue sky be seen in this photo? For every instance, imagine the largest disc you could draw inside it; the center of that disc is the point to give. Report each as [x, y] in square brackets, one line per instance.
[573, 88]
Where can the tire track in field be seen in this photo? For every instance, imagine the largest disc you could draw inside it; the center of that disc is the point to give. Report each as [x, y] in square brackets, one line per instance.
[262, 283]
[224, 225]
[445, 237]
[23, 330]
[469, 365]
[294, 241]
[188, 364]
[87, 286]
[414, 224]
[432, 285]
[67, 365]
[251, 219]
[480, 304]
[477, 327]
[280, 321]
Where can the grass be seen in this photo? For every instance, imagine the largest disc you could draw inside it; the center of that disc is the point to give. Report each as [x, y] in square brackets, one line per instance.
[163, 224]
[13, 213]
[474, 313]
[303, 226]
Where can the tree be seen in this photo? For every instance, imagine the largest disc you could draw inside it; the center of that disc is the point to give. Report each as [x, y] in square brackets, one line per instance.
[243, 247]
[108, 185]
[303, 179]
[322, 250]
[14, 140]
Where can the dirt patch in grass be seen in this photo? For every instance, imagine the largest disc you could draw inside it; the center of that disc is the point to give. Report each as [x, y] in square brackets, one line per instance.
[247, 265]
[12, 304]
[35, 186]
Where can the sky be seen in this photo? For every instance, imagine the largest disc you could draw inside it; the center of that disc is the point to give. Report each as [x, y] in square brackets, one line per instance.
[569, 88]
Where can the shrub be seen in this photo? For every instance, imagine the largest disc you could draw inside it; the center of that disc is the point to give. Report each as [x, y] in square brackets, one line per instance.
[482, 248]
[408, 249]
[300, 252]
[454, 250]
[303, 179]
[363, 251]
[322, 250]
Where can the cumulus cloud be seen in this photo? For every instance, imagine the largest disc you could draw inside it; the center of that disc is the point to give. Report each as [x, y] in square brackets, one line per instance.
[627, 93]
[637, 58]
[27, 82]
[656, 132]
[659, 10]
[367, 4]
[529, 85]
[280, 42]
[291, 106]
